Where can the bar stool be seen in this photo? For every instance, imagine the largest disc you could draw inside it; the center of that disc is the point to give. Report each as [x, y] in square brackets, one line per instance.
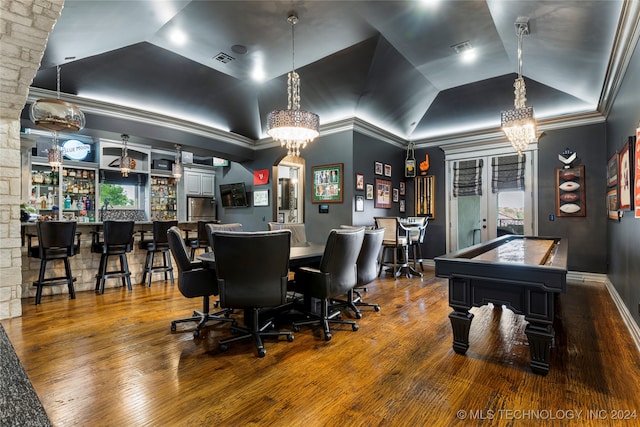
[417, 231]
[55, 242]
[159, 243]
[117, 240]
[201, 241]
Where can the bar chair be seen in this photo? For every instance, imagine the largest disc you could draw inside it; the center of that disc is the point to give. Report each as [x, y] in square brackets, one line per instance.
[417, 231]
[158, 244]
[57, 240]
[117, 241]
[395, 240]
[201, 241]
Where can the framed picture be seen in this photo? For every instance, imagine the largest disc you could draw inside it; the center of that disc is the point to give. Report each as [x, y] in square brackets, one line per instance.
[402, 206]
[612, 204]
[359, 181]
[387, 170]
[625, 180]
[369, 192]
[327, 183]
[395, 195]
[612, 171]
[403, 188]
[261, 198]
[425, 199]
[281, 217]
[382, 194]
[378, 168]
[359, 203]
[570, 194]
[636, 178]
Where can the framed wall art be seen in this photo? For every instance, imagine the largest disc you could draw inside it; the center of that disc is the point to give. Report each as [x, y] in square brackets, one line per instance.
[395, 195]
[625, 181]
[403, 188]
[261, 198]
[570, 192]
[402, 206]
[359, 181]
[612, 171]
[382, 194]
[612, 204]
[327, 183]
[378, 168]
[387, 170]
[369, 192]
[359, 203]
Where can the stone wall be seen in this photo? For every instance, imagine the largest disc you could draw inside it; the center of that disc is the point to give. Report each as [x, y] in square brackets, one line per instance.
[24, 29]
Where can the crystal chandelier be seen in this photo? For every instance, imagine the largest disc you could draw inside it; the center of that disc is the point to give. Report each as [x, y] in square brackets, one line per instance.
[293, 127]
[518, 124]
[126, 163]
[56, 115]
[177, 167]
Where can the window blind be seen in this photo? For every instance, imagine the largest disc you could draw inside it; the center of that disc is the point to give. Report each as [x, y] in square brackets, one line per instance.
[508, 173]
[467, 178]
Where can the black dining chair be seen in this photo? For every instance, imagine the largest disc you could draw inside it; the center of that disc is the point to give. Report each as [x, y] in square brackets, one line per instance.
[117, 241]
[252, 270]
[195, 281]
[336, 276]
[157, 244]
[57, 241]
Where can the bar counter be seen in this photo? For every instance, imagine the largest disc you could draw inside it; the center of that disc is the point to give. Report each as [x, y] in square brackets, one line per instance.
[84, 265]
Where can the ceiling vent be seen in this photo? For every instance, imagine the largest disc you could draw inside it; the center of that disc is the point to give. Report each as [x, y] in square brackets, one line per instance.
[223, 57]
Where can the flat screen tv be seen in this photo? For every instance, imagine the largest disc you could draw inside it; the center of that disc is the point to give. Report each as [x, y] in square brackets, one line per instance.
[234, 195]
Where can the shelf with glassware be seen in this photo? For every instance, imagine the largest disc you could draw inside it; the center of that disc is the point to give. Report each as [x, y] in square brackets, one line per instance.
[78, 194]
[163, 198]
[44, 191]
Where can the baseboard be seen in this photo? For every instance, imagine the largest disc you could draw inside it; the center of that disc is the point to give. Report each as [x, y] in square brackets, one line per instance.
[633, 327]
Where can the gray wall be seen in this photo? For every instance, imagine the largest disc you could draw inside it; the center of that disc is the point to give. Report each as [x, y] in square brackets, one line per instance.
[623, 236]
[587, 235]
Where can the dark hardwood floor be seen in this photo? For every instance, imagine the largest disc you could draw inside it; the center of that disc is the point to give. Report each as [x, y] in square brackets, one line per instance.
[112, 360]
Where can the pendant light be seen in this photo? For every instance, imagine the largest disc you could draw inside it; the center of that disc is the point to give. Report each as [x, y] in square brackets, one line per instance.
[293, 127]
[56, 116]
[126, 163]
[177, 167]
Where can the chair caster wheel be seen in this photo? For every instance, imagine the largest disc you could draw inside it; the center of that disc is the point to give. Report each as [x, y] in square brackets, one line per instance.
[355, 327]
[289, 338]
[358, 315]
[296, 328]
[224, 347]
[173, 327]
[262, 352]
[196, 333]
[376, 308]
[327, 336]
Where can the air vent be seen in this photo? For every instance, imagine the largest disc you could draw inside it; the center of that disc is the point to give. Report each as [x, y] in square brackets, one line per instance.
[223, 57]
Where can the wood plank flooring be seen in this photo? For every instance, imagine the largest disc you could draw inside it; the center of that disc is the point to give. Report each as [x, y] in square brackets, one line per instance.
[112, 360]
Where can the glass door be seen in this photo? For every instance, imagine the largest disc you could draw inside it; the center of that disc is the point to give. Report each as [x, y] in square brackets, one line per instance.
[490, 196]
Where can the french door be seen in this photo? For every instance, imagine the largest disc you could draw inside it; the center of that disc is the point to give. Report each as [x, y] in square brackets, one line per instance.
[482, 204]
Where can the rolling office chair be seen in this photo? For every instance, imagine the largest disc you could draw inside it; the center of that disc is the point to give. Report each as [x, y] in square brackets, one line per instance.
[158, 244]
[57, 240]
[298, 232]
[117, 240]
[194, 281]
[336, 276]
[213, 228]
[255, 283]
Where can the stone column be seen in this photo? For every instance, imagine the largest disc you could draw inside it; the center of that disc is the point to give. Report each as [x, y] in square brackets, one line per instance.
[24, 29]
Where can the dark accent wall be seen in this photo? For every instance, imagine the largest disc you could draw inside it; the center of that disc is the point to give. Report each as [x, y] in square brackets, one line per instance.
[624, 236]
[587, 235]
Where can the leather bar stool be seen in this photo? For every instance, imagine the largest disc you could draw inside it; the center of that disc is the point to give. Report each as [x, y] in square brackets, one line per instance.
[117, 241]
[158, 244]
[56, 241]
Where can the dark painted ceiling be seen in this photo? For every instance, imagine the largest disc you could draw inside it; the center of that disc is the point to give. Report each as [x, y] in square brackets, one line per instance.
[388, 63]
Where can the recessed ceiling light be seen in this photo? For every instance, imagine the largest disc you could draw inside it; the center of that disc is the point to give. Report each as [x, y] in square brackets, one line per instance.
[466, 50]
[239, 49]
[178, 37]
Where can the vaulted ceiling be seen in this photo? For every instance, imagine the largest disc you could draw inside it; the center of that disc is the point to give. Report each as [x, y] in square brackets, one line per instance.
[390, 64]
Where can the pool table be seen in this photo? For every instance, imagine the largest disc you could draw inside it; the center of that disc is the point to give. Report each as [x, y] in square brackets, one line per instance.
[524, 273]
